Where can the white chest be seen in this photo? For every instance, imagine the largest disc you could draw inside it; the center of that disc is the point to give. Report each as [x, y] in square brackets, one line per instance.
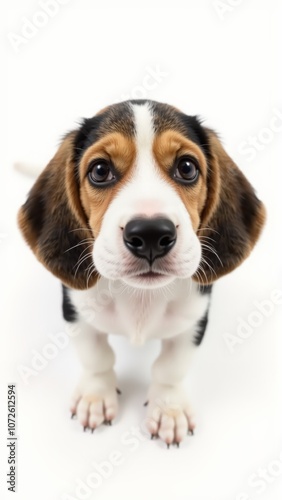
[114, 308]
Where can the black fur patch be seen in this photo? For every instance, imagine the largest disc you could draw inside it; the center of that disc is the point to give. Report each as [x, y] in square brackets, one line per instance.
[167, 117]
[201, 328]
[115, 118]
[69, 311]
[86, 135]
[205, 289]
[119, 118]
[194, 131]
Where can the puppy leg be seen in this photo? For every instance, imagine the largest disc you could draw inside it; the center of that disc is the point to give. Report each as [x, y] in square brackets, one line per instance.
[95, 398]
[169, 413]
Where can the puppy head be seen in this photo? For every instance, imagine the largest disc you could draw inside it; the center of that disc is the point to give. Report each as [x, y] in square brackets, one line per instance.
[145, 194]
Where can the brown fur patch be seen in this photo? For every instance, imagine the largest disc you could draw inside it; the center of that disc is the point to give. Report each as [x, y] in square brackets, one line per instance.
[53, 221]
[167, 147]
[117, 118]
[233, 216]
[122, 152]
[166, 117]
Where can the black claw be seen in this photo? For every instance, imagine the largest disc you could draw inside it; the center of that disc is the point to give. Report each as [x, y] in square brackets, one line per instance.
[154, 436]
[177, 444]
[191, 432]
[72, 415]
[168, 445]
[118, 391]
[92, 430]
[146, 403]
[107, 422]
[84, 428]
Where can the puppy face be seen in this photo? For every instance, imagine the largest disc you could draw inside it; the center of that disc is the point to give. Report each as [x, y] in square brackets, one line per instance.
[143, 193]
[151, 173]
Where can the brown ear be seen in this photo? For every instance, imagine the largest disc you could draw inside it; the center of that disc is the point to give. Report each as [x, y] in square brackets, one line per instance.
[232, 218]
[54, 224]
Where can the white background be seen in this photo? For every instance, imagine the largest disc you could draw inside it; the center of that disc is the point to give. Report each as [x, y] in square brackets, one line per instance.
[226, 69]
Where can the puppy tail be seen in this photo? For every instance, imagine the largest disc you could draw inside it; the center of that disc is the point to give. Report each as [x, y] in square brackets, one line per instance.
[28, 169]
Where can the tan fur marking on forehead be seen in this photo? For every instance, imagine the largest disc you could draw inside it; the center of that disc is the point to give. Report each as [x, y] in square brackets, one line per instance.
[121, 151]
[170, 145]
[114, 146]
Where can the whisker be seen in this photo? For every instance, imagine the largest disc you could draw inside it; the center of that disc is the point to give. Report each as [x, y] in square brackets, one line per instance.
[80, 243]
[203, 271]
[209, 266]
[197, 273]
[206, 238]
[90, 272]
[212, 250]
[83, 251]
[81, 229]
[81, 261]
[82, 257]
[207, 229]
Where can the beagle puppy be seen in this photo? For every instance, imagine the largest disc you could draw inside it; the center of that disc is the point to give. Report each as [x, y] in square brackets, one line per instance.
[139, 212]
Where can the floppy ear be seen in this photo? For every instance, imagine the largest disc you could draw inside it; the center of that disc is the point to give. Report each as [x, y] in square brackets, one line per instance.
[232, 218]
[54, 224]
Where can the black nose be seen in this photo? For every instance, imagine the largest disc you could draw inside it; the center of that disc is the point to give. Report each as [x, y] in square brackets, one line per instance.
[149, 238]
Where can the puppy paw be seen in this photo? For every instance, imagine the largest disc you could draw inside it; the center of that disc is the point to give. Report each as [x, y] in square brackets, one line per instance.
[169, 415]
[94, 401]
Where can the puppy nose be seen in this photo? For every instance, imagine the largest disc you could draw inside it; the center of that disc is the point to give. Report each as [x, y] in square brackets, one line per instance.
[149, 238]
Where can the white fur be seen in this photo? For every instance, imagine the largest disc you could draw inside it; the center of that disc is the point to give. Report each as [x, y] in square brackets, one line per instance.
[140, 315]
[147, 194]
[122, 302]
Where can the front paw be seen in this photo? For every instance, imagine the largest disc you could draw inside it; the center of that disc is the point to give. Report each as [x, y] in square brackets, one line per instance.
[169, 415]
[95, 400]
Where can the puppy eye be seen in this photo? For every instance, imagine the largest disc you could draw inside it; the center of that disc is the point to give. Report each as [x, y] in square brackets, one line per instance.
[101, 172]
[186, 170]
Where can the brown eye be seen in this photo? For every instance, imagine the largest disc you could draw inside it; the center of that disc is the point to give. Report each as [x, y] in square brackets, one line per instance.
[100, 172]
[186, 170]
